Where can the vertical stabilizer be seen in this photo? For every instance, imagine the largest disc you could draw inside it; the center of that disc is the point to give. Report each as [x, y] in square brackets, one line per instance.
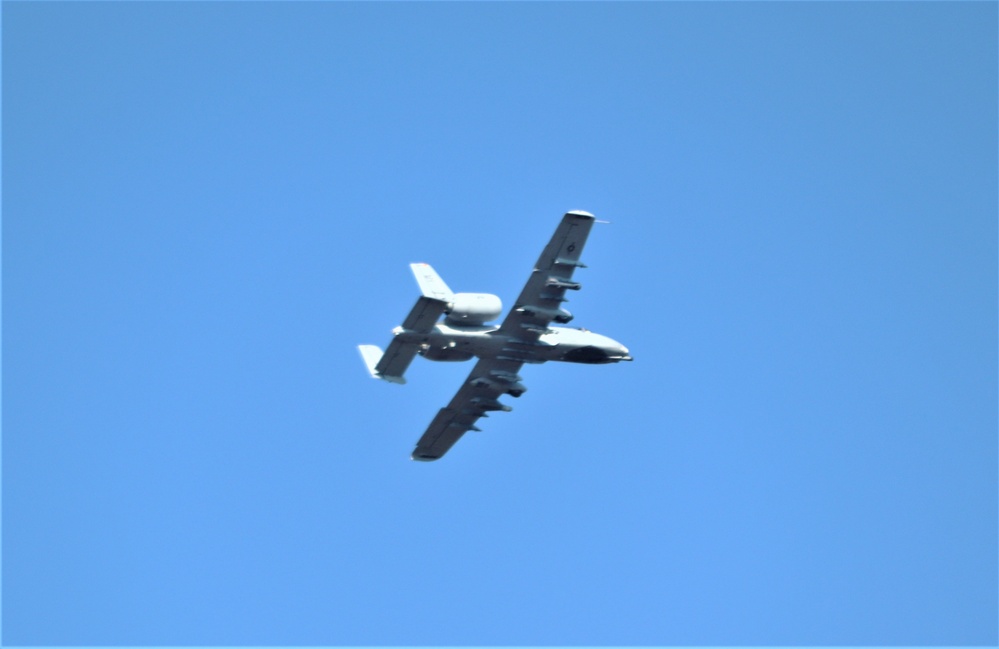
[431, 284]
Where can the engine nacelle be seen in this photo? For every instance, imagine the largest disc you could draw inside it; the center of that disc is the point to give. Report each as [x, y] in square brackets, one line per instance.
[473, 309]
[445, 354]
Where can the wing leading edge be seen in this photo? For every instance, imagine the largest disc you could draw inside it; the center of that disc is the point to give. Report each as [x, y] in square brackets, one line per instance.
[538, 305]
[540, 302]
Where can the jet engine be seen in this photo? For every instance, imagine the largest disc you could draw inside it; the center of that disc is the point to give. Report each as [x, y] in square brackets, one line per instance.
[473, 309]
[445, 353]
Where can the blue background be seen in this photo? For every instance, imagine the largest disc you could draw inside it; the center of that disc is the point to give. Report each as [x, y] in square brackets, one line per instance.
[206, 206]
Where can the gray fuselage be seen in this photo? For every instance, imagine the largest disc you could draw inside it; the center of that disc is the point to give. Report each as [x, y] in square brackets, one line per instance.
[454, 343]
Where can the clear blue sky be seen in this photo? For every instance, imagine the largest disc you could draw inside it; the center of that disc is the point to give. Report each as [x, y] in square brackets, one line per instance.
[207, 206]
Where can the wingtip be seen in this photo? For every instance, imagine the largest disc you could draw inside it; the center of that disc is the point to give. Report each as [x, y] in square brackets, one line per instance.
[585, 215]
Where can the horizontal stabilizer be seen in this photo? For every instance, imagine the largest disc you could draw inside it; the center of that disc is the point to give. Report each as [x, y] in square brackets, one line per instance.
[431, 284]
[396, 359]
[424, 315]
[374, 358]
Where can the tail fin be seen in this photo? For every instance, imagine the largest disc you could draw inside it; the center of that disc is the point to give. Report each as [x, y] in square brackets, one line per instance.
[436, 297]
[431, 284]
[373, 357]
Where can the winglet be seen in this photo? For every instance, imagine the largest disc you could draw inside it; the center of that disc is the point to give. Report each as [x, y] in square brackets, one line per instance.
[431, 284]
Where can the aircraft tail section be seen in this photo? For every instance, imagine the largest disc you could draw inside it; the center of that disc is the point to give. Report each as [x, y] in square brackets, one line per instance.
[391, 365]
[431, 284]
[372, 355]
[393, 362]
[424, 315]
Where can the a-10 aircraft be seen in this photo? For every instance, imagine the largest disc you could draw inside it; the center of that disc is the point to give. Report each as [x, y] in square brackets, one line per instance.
[524, 336]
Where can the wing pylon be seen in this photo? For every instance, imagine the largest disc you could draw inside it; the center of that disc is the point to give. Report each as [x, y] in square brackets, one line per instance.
[477, 397]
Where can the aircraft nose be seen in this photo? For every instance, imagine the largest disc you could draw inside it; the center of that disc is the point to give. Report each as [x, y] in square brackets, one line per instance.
[623, 353]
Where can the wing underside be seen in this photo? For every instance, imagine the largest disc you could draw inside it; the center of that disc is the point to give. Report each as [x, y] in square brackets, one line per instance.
[540, 302]
[477, 397]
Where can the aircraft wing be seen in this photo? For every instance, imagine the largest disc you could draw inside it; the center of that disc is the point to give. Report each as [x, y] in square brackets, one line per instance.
[540, 303]
[478, 395]
[537, 306]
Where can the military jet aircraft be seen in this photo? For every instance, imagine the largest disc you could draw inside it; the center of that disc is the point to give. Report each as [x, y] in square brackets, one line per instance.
[524, 336]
